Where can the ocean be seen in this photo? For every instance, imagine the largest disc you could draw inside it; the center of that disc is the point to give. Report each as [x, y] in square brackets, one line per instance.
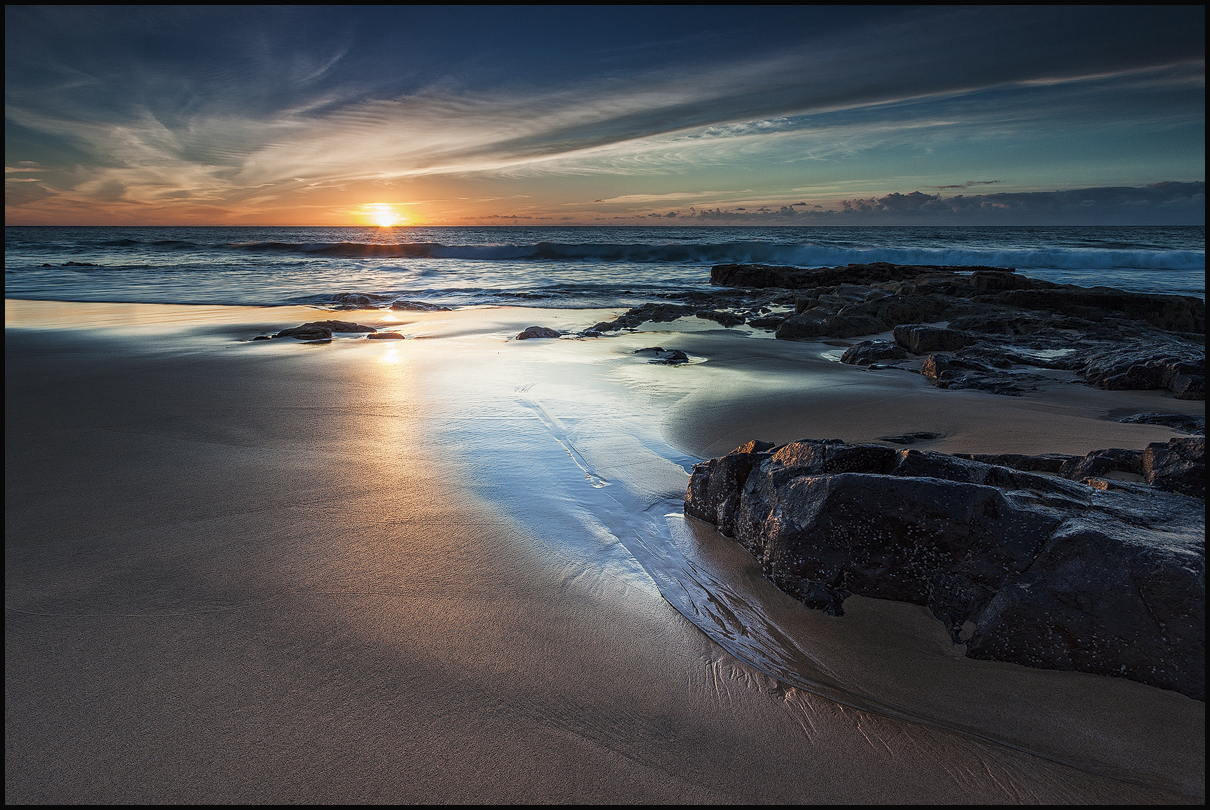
[561, 267]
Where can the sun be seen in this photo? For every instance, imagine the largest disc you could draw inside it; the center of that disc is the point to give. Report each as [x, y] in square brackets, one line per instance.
[384, 215]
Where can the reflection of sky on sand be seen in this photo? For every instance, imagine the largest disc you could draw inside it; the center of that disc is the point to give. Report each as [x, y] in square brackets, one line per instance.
[570, 438]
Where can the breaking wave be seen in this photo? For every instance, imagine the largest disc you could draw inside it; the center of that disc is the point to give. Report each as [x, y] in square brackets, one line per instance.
[802, 255]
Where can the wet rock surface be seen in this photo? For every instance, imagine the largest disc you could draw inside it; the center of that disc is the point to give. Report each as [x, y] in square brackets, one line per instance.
[1097, 575]
[984, 328]
[664, 357]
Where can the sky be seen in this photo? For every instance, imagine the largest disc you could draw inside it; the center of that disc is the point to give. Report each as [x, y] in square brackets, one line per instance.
[541, 115]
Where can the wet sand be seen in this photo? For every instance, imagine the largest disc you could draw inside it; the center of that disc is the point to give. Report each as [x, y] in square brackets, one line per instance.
[426, 571]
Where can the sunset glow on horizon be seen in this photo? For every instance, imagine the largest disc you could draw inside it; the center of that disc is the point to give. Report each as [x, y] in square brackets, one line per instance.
[798, 115]
[384, 215]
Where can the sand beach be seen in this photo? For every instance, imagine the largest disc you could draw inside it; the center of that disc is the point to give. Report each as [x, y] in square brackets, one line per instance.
[453, 568]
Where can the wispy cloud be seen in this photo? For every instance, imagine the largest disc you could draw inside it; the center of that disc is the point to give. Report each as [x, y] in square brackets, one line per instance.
[286, 121]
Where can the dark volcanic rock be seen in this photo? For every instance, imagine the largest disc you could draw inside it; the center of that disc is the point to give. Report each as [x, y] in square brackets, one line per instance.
[359, 300]
[1178, 466]
[635, 317]
[664, 357]
[418, 306]
[1102, 462]
[926, 339]
[1173, 313]
[537, 332]
[816, 323]
[797, 278]
[767, 321]
[873, 351]
[323, 330]
[724, 318]
[1143, 367]
[910, 438]
[1177, 421]
[945, 371]
[1045, 462]
[1108, 579]
[714, 489]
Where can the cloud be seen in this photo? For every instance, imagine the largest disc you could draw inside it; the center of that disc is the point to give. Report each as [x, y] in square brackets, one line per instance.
[1163, 203]
[283, 106]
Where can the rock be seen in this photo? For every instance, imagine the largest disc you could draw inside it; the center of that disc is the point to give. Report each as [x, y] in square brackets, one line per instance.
[815, 324]
[724, 318]
[418, 306]
[385, 336]
[359, 300]
[321, 330]
[767, 321]
[926, 339]
[910, 438]
[1173, 313]
[797, 278]
[307, 332]
[873, 351]
[538, 332]
[664, 357]
[1177, 421]
[945, 371]
[1144, 367]
[714, 488]
[637, 316]
[1178, 466]
[1045, 462]
[1099, 463]
[1050, 573]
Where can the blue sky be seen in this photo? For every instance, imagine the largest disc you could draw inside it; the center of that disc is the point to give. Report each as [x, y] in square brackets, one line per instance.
[604, 115]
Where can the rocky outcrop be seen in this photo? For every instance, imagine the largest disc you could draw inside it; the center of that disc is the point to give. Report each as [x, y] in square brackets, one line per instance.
[1103, 576]
[970, 327]
[797, 278]
[637, 316]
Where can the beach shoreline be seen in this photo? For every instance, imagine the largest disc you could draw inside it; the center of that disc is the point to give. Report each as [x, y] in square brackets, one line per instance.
[407, 570]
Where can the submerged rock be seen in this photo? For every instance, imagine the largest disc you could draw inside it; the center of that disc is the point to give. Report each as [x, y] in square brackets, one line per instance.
[359, 300]
[418, 306]
[1106, 577]
[664, 357]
